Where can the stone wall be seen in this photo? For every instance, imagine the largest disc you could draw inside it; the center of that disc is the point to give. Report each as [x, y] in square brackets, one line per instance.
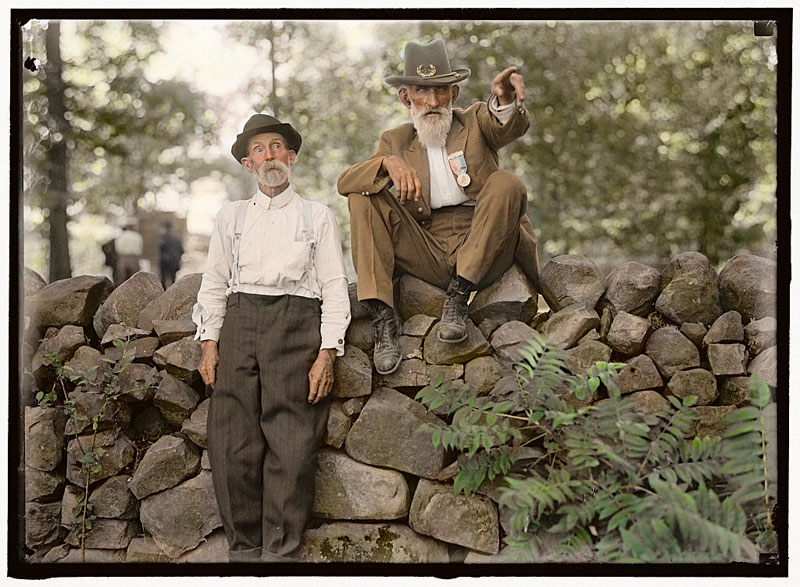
[384, 493]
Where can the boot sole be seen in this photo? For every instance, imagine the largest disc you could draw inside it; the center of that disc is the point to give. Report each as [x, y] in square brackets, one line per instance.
[392, 370]
[462, 339]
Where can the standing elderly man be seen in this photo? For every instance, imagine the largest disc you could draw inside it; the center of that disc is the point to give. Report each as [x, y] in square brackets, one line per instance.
[272, 312]
[455, 220]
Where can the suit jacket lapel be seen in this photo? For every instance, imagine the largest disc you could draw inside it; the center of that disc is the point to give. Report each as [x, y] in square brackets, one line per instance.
[457, 137]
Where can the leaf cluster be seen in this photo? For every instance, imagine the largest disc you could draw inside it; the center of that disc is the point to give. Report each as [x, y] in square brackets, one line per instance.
[631, 485]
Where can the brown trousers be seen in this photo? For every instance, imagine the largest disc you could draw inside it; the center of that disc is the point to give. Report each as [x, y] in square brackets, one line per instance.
[476, 242]
[263, 435]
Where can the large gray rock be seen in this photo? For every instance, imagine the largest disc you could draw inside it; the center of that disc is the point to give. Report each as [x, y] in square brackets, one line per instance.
[570, 279]
[69, 301]
[482, 373]
[697, 382]
[726, 328]
[89, 364]
[63, 345]
[95, 408]
[338, 425]
[760, 334]
[671, 351]
[349, 490]
[121, 332]
[728, 359]
[165, 464]
[113, 499]
[31, 281]
[748, 284]
[580, 358]
[180, 359]
[42, 523]
[393, 431]
[689, 291]
[42, 486]
[639, 374]
[44, 437]
[710, 420]
[114, 452]
[511, 339]
[179, 518]
[106, 534]
[173, 330]
[734, 391]
[649, 402]
[140, 349]
[469, 521]
[353, 542]
[175, 399]
[695, 332]
[628, 333]
[71, 502]
[765, 364]
[417, 373]
[418, 325]
[512, 297]
[125, 303]
[195, 426]
[65, 555]
[568, 325]
[352, 374]
[359, 334]
[138, 382]
[415, 296]
[631, 287]
[174, 304]
[437, 352]
[214, 549]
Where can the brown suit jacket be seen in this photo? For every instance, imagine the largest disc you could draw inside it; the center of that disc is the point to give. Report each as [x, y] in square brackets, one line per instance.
[477, 133]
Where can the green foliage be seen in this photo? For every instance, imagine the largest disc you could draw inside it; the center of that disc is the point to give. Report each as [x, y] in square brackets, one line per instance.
[633, 486]
[110, 387]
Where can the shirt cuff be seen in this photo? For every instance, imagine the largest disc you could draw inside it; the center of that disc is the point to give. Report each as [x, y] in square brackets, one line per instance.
[208, 333]
[332, 341]
[502, 113]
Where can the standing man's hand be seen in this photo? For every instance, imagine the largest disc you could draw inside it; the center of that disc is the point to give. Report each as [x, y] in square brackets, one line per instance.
[405, 178]
[507, 85]
[320, 377]
[208, 362]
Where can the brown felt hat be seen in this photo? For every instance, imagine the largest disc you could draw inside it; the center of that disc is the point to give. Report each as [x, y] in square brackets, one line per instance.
[427, 64]
[259, 123]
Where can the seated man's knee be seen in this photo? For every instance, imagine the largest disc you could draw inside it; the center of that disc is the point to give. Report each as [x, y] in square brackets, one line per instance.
[504, 184]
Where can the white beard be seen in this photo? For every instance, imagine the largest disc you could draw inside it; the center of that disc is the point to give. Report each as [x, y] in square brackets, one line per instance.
[273, 173]
[432, 131]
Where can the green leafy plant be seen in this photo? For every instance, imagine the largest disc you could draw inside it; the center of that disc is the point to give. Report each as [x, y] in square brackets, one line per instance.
[110, 386]
[632, 486]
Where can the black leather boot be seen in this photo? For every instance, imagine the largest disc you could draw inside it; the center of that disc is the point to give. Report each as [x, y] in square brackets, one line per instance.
[453, 325]
[385, 331]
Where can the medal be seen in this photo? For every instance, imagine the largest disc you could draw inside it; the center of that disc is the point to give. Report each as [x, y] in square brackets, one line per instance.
[458, 165]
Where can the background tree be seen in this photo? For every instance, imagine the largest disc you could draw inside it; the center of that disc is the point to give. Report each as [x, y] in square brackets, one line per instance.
[127, 137]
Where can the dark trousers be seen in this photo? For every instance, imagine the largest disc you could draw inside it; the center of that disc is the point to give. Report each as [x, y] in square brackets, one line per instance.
[263, 435]
[476, 242]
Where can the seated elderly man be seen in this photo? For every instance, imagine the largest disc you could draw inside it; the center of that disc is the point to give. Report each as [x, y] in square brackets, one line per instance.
[455, 220]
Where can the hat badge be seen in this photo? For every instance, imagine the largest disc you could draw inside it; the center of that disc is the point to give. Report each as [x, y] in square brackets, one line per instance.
[426, 70]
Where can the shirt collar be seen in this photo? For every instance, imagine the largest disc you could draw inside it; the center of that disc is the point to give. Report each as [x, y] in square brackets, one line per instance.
[279, 201]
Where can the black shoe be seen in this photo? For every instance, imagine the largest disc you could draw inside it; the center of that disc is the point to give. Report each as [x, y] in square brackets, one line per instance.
[453, 325]
[386, 355]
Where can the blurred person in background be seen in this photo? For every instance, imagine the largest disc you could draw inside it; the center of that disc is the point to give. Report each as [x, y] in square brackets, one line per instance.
[170, 252]
[128, 247]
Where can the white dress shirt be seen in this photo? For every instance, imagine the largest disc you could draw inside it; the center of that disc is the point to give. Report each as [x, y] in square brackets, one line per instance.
[273, 256]
[445, 191]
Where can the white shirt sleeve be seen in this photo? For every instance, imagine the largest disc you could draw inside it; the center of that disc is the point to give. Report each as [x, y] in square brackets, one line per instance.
[209, 311]
[332, 280]
[502, 113]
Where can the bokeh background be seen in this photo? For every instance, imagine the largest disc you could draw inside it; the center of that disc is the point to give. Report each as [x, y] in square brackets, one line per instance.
[648, 138]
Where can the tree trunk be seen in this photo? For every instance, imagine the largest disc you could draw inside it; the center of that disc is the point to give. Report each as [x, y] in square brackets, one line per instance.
[56, 163]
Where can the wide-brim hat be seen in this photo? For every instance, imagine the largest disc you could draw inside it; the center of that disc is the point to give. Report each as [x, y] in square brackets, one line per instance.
[259, 123]
[427, 64]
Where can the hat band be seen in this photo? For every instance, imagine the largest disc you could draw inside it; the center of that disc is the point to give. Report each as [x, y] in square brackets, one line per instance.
[440, 76]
